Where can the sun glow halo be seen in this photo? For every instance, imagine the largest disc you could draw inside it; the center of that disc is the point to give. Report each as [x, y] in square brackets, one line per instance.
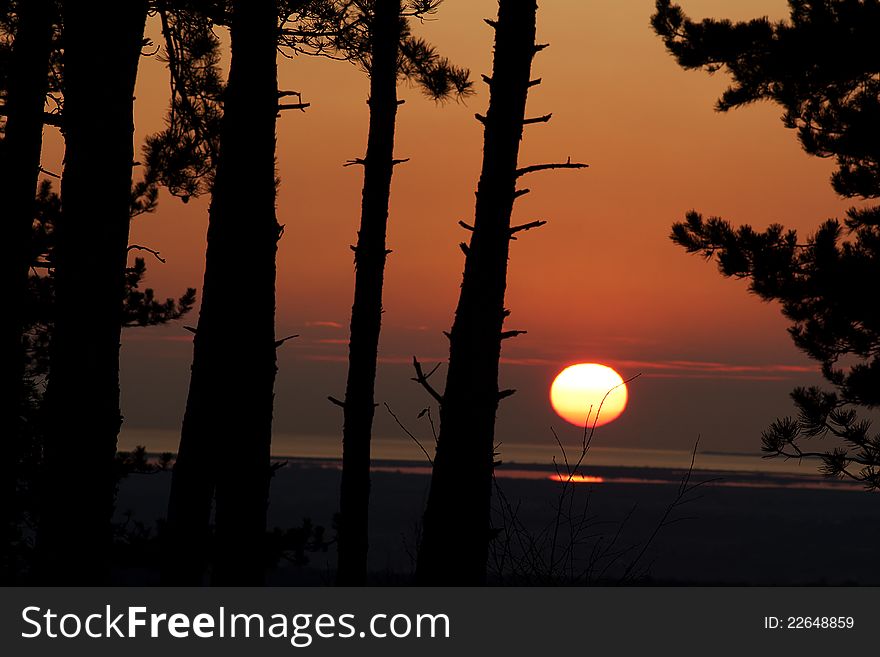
[578, 391]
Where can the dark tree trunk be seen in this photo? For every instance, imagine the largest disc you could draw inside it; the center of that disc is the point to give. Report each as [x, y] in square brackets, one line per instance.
[366, 312]
[456, 528]
[224, 446]
[19, 172]
[92, 244]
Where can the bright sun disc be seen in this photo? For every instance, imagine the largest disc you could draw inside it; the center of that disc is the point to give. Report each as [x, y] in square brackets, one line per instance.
[578, 392]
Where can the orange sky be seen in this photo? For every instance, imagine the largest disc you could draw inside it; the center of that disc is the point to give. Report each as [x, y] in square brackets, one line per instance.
[600, 283]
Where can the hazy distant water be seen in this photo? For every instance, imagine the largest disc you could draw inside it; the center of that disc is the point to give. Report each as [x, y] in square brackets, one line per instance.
[747, 528]
[405, 450]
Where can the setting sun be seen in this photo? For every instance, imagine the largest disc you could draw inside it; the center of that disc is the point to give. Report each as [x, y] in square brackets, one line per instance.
[588, 394]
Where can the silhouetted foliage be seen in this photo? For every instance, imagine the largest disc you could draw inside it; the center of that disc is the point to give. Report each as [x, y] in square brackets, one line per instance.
[457, 529]
[822, 67]
[183, 157]
[37, 27]
[140, 307]
[347, 32]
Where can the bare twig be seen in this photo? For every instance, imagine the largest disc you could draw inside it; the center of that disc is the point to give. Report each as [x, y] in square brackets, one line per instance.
[410, 434]
[684, 489]
[280, 342]
[138, 247]
[422, 379]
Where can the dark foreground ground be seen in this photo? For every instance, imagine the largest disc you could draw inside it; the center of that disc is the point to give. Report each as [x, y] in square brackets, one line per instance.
[743, 530]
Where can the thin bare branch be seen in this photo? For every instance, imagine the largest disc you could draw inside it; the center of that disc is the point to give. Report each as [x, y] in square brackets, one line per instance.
[422, 379]
[409, 433]
[138, 247]
[280, 342]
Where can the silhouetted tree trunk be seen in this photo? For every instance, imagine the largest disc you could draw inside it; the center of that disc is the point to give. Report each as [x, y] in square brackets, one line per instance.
[102, 49]
[226, 433]
[19, 172]
[366, 313]
[456, 530]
